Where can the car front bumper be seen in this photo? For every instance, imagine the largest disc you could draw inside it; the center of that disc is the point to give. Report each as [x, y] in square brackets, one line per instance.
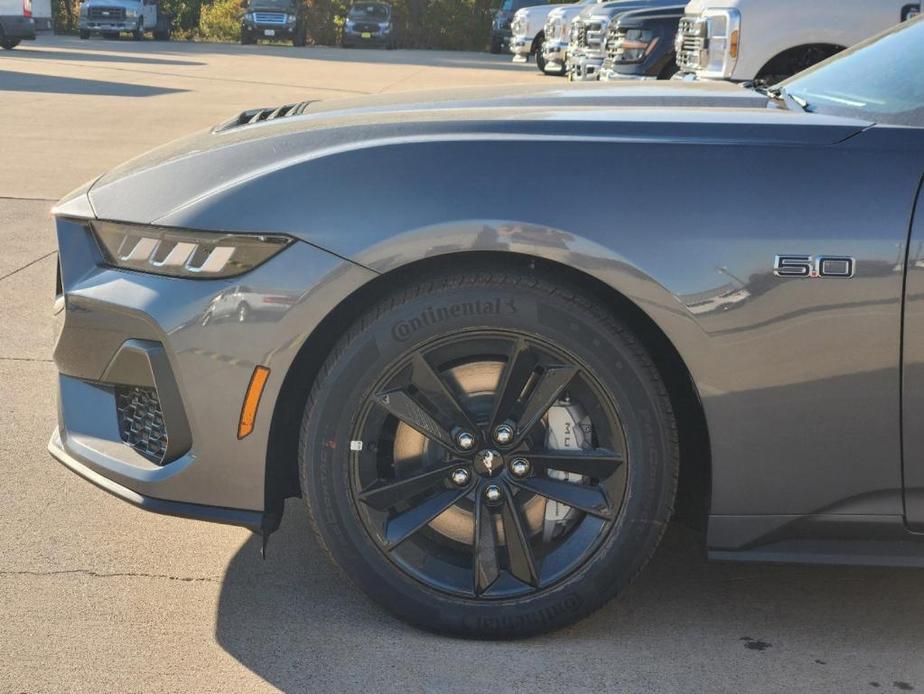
[110, 26]
[584, 68]
[521, 47]
[371, 38]
[555, 54]
[271, 31]
[119, 330]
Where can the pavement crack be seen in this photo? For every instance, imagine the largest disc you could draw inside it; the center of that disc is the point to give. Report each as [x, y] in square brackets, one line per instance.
[30, 359]
[125, 574]
[28, 265]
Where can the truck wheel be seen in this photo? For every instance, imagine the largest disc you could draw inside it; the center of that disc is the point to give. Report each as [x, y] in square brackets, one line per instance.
[540, 60]
[7, 44]
[496, 45]
[300, 40]
[138, 35]
[246, 39]
[84, 35]
[489, 454]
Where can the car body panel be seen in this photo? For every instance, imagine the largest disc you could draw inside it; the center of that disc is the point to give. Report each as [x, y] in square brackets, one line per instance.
[799, 379]
[913, 375]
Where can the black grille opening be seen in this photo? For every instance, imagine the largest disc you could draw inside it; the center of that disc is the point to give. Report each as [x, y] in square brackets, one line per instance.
[259, 115]
[141, 421]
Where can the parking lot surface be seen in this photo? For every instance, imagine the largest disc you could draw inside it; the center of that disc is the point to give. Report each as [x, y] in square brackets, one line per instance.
[96, 595]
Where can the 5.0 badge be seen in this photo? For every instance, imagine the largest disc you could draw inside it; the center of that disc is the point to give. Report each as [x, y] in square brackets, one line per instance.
[822, 266]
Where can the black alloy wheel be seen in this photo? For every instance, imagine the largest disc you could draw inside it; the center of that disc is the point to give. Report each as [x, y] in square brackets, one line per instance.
[489, 454]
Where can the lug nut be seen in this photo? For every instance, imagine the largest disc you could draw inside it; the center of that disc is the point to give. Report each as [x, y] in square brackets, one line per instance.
[492, 493]
[519, 467]
[465, 440]
[503, 434]
[460, 477]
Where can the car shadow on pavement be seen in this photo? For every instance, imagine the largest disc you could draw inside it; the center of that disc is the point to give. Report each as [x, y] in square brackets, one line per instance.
[50, 84]
[298, 623]
[29, 53]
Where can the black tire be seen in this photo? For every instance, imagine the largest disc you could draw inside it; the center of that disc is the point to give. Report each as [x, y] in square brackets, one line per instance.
[84, 35]
[496, 45]
[247, 39]
[540, 61]
[558, 317]
[7, 44]
[138, 35]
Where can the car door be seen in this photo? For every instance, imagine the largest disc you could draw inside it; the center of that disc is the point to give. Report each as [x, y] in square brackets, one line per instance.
[913, 374]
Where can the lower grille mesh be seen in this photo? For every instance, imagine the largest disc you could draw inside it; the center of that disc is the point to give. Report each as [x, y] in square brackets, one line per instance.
[141, 421]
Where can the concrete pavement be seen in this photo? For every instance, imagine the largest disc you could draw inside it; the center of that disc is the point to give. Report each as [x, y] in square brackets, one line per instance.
[98, 596]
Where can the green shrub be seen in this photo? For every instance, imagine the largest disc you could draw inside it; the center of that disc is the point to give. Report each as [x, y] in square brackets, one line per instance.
[220, 21]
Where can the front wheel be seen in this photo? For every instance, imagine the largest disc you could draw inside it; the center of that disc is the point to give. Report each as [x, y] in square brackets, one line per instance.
[84, 35]
[540, 60]
[489, 454]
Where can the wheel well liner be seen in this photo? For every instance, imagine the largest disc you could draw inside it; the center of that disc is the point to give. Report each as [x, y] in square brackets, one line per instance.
[282, 479]
[782, 61]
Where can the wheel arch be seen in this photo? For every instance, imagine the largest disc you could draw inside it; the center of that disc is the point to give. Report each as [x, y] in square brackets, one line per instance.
[282, 480]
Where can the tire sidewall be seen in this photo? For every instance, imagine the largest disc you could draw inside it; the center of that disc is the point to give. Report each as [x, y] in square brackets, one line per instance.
[345, 387]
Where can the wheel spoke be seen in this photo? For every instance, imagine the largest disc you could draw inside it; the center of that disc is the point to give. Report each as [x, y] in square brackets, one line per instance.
[384, 494]
[598, 463]
[580, 496]
[434, 390]
[405, 408]
[516, 374]
[519, 553]
[486, 567]
[406, 524]
[543, 396]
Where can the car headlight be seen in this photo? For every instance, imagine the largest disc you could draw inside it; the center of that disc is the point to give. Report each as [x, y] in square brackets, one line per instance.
[348, 25]
[131, 14]
[184, 253]
[290, 19]
[384, 27]
[723, 34]
[248, 17]
[632, 45]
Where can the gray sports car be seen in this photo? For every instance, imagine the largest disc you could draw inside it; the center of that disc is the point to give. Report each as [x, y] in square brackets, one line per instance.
[492, 395]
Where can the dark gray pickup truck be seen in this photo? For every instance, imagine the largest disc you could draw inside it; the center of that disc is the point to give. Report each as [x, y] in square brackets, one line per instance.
[494, 398]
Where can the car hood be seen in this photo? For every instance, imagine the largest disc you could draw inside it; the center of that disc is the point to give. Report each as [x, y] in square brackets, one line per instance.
[156, 186]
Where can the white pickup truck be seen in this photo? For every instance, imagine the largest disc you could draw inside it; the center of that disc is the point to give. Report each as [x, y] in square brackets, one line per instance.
[769, 40]
[113, 17]
[528, 29]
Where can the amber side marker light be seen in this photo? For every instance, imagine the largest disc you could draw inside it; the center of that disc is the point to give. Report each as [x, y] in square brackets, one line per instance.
[733, 45]
[252, 401]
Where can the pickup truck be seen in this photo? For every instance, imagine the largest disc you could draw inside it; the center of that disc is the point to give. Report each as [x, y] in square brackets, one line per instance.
[557, 35]
[756, 40]
[528, 32]
[113, 17]
[640, 44]
[587, 46]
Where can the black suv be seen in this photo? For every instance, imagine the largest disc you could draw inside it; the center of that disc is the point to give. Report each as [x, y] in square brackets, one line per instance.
[369, 23]
[275, 19]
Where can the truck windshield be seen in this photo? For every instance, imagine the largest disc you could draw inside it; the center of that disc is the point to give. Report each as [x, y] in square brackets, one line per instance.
[271, 4]
[514, 5]
[369, 11]
[877, 80]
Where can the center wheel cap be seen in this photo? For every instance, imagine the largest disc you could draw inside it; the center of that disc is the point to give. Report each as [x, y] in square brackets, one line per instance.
[488, 462]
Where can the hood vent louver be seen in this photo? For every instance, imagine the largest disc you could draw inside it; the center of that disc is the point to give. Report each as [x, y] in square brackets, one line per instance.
[260, 115]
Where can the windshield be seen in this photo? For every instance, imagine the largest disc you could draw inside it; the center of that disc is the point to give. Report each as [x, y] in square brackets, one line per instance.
[514, 5]
[878, 80]
[271, 4]
[369, 11]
